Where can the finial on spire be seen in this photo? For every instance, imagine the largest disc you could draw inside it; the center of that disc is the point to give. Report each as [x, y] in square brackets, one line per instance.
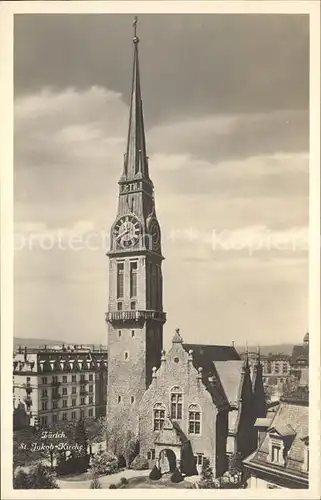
[135, 39]
[177, 337]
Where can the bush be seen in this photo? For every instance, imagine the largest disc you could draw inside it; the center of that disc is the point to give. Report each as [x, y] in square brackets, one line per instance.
[95, 484]
[235, 463]
[39, 477]
[123, 480]
[104, 463]
[176, 477]
[73, 465]
[155, 474]
[139, 463]
[207, 478]
[121, 462]
[112, 487]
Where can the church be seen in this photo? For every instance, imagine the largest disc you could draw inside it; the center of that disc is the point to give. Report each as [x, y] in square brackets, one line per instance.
[195, 401]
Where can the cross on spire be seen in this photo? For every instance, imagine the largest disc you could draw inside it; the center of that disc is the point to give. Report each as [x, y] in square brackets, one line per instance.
[135, 158]
[135, 39]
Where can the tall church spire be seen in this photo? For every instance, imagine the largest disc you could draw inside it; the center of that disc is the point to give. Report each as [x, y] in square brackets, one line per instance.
[136, 160]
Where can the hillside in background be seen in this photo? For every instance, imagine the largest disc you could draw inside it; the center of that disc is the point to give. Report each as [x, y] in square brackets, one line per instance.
[35, 342]
[264, 349]
[32, 343]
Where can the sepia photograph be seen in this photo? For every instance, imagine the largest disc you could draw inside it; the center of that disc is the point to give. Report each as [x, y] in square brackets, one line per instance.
[161, 239]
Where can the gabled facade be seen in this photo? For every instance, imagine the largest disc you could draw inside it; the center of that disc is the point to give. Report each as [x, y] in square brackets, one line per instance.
[191, 404]
[197, 407]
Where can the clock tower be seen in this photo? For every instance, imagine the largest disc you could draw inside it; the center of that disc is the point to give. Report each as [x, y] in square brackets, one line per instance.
[135, 314]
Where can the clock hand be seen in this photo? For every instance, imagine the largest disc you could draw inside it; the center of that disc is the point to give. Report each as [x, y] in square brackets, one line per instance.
[122, 234]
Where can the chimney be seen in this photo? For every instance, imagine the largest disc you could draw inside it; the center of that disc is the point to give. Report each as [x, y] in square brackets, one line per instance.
[25, 353]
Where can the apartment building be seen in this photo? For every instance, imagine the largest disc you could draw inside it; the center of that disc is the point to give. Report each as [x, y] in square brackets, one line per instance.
[276, 367]
[53, 384]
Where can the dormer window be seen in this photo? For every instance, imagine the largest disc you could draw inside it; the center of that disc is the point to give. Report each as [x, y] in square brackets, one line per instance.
[276, 453]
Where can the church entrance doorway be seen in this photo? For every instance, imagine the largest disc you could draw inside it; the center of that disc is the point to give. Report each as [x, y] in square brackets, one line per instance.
[167, 461]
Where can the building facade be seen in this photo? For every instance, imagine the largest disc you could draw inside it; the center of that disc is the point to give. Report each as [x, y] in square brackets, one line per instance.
[195, 401]
[58, 384]
[135, 314]
[200, 405]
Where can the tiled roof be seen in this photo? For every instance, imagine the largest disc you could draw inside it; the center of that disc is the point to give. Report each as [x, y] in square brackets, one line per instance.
[262, 422]
[230, 373]
[290, 421]
[300, 351]
[204, 355]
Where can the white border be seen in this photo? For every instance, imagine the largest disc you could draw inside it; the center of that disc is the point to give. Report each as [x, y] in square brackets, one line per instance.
[7, 9]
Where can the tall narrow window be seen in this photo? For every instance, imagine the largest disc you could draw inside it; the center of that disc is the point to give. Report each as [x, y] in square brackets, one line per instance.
[275, 453]
[158, 416]
[150, 286]
[176, 403]
[154, 288]
[194, 419]
[133, 279]
[120, 280]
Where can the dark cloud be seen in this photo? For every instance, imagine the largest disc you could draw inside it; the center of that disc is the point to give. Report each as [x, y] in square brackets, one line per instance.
[190, 64]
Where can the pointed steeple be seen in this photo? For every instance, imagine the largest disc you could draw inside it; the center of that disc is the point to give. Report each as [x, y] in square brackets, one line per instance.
[135, 158]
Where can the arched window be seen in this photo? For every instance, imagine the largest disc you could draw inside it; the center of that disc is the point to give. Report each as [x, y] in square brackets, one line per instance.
[194, 419]
[176, 402]
[158, 416]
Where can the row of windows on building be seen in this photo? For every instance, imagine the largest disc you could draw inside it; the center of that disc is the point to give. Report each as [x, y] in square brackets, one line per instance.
[120, 333]
[276, 367]
[194, 419]
[44, 380]
[132, 279]
[44, 392]
[64, 416]
[55, 404]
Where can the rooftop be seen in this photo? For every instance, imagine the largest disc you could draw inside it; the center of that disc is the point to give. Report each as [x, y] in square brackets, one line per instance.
[291, 423]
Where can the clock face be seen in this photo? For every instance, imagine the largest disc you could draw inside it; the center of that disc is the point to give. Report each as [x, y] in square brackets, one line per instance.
[154, 231]
[127, 231]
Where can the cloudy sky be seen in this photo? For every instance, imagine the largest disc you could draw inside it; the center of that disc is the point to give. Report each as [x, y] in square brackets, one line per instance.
[226, 112]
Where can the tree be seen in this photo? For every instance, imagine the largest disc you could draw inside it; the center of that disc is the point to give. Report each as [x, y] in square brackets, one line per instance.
[235, 463]
[121, 441]
[104, 463]
[176, 477]
[95, 483]
[95, 429]
[81, 437]
[155, 473]
[23, 452]
[139, 463]
[131, 448]
[207, 478]
[39, 477]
